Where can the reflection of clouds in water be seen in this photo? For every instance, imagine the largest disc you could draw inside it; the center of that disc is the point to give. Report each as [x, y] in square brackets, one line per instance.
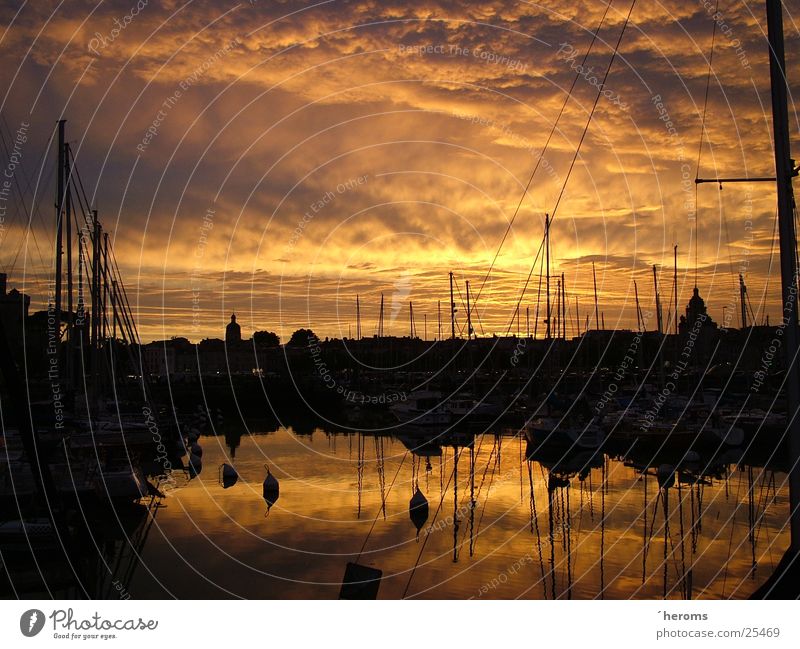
[301, 549]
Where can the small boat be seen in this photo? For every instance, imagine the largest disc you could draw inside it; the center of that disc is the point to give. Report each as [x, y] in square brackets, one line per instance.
[122, 485]
[558, 431]
[464, 407]
[422, 408]
[30, 533]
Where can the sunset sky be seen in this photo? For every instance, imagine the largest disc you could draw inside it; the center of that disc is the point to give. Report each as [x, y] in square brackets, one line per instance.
[341, 148]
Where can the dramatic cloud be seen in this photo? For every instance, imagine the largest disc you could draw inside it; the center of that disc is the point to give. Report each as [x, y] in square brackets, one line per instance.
[278, 158]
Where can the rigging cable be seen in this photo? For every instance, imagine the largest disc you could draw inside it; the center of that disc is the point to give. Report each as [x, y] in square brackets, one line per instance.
[541, 155]
[578, 148]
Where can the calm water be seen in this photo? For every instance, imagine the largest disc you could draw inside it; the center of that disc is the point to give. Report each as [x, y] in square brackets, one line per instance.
[599, 533]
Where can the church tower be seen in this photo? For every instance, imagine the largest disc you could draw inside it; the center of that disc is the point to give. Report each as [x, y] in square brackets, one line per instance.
[233, 332]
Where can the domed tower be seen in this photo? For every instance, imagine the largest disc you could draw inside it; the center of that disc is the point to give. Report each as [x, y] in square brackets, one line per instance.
[696, 309]
[233, 332]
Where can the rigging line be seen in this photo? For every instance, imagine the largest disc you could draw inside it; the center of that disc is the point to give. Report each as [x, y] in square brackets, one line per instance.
[544, 150]
[578, 149]
[463, 302]
[378, 513]
[700, 144]
[74, 172]
[34, 205]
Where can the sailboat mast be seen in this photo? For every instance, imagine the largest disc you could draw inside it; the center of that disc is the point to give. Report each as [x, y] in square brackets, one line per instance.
[547, 255]
[638, 310]
[469, 316]
[452, 310]
[380, 320]
[96, 307]
[742, 301]
[563, 307]
[783, 172]
[596, 311]
[358, 318]
[67, 215]
[675, 285]
[658, 300]
[105, 287]
[59, 230]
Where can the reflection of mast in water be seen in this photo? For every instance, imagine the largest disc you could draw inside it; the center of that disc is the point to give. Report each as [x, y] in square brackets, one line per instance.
[687, 576]
[602, 527]
[665, 497]
[535, 527]
[555, 482]
[360, 469]
[455, 504]
[566, 532]
[697, 514]
[551, 536]
[471, 499]
[751, 520]
[379, 455]
[644, 531]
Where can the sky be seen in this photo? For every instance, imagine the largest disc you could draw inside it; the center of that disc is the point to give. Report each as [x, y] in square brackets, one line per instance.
[276, 159]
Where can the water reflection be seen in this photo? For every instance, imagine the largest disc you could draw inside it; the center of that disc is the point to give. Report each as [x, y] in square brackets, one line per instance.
[465, 516]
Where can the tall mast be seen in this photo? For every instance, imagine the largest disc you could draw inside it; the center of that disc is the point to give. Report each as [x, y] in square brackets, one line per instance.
[638, 310]
[67, 216]
[743, 301]
[558, 308]
[105, 287]
[96, 308]
[658, 300]
[439, 317]
[469, 316]
[563, 307]
[675, 286]
[358, 318]
[596, 312]
[452, 310]
[411, 319]
[547, 253]
[784, 170]
[380, 319]
[59, 230]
